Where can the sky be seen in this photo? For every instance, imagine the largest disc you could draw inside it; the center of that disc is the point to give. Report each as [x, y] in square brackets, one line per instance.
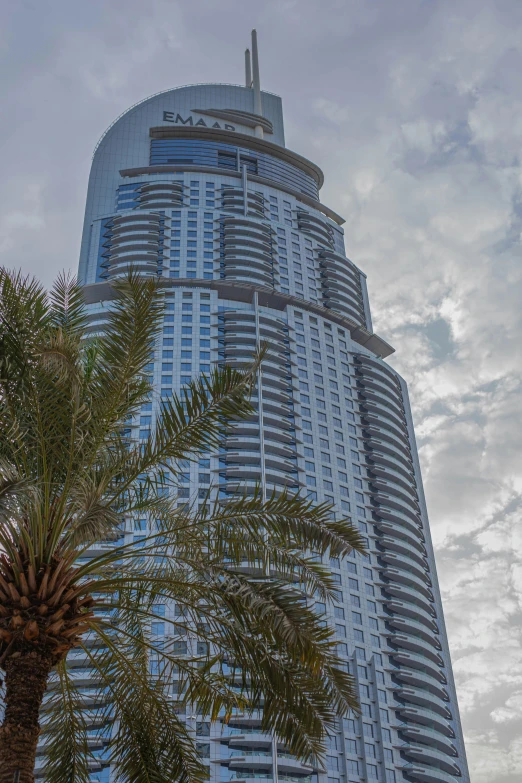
[413, 109]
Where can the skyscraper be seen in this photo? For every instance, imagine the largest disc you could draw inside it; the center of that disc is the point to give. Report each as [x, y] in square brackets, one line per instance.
[196, 186]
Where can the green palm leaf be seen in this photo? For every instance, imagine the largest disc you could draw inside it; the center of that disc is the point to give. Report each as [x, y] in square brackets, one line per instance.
[240, 577]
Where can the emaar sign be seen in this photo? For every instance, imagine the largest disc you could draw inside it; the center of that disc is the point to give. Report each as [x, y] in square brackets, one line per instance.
[170, 116]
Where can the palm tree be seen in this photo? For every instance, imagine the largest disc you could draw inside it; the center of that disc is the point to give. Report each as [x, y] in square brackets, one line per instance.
[72, 480]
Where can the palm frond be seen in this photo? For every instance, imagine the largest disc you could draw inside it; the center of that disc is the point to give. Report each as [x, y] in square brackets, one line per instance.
[241, 575]
[151, 744]
[65, 732]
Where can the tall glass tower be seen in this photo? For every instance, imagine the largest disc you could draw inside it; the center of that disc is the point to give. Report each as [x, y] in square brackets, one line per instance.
[196, 186]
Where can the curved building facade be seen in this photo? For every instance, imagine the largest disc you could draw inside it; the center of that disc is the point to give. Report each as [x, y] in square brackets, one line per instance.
[195, 185]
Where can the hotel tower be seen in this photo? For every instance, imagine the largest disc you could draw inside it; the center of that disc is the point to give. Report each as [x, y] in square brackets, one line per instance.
[196, 186]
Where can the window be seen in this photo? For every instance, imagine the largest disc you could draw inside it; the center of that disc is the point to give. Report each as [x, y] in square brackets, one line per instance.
[372, 771]
[332, 763]
[366, 710]
[339, 612]
[203, 749]
[357, 618]
[386, 735]
[331, 742]
[369, 749]
[368, 730]
[384, 715]
[365, 691]
[349, 725]
[352, 766]
[388, 754]
[390, 776]
[358, 635]
[351, 746]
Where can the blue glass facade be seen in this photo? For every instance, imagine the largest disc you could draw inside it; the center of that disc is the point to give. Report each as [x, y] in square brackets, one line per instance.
[229, 156]
[247, 253]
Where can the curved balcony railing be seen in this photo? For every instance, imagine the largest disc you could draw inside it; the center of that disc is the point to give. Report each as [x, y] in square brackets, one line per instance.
[410, 616]
[426, 717]
[427, 774]
[425, 753]
[378, 403]
[410, 626]
[423, 698]
[407, 580]
[379, 467]
[428, 736]
[405, 562]
[399, 607]
[232, 200]
[416, 661]
[315, 227]
[407, 641]
[380, 388]
[414, 550]
[422, 680]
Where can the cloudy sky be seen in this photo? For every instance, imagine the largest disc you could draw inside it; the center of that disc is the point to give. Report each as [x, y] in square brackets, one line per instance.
[413, 108]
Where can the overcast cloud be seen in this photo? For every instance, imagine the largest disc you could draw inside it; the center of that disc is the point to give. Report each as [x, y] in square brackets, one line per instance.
[413, 108]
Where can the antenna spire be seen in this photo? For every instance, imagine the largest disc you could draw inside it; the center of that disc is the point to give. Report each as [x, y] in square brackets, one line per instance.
[248, 69]
[258, 106]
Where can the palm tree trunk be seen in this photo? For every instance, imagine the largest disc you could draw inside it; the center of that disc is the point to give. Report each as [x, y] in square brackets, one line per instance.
[25, 683]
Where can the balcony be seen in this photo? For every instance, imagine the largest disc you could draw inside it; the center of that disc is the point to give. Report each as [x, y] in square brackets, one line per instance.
[406, 578]
[426, 718]
[404, 562]
[375, 441]
[421, 680]
[423, 698]
[403, 547]
[411, 626]
[394, 523]
[408, 642]
[428, 774]
[427, 736]
[431, 756]
[376, 383]
[414, 661]
[411, 610]
[409, 595]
